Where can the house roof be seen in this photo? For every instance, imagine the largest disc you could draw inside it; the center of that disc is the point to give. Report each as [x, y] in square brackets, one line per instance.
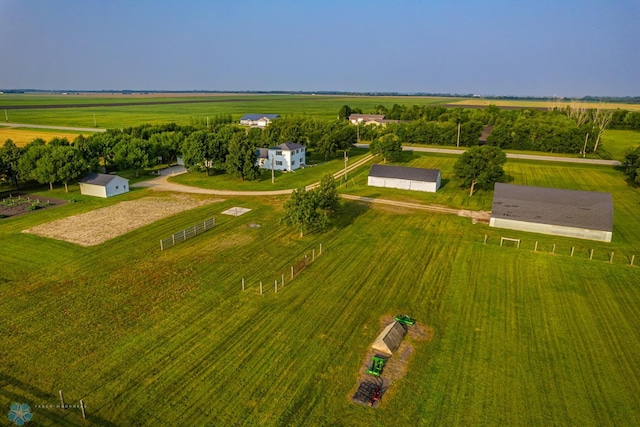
[289, 146]
[99, 179]
[254, 117]
[570, 208]
[402, 172]
[367, 116]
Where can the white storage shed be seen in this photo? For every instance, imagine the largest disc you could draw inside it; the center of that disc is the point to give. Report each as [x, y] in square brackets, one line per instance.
[103, 185]
[417, 179]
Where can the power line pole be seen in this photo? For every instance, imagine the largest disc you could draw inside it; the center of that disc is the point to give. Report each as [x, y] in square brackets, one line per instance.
[458, 143]
[273, 179]
[346, 180]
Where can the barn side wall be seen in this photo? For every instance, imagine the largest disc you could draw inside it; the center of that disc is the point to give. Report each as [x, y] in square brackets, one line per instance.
[117, 186]
[92, 190]
[554, 230]
[402, 184]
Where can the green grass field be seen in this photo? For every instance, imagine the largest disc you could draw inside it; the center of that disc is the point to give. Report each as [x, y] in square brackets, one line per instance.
[618, 142]
[168, 338]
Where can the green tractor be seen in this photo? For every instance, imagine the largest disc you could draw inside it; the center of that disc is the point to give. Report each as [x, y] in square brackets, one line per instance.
[377, 363]
[405, 320]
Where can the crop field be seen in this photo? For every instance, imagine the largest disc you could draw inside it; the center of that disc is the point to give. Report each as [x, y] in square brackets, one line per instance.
[146, 337]
[324, 107]
[22, 136]
[541, 104]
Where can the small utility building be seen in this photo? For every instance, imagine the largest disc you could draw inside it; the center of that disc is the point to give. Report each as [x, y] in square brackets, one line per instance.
[416, 179]
[390, 338]
[103, 185]
[570, 213]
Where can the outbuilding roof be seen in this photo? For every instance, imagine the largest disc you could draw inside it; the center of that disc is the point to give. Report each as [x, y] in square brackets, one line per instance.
[99, 179]
[367, 116]
[255, 117]
[402, 172]
[570, 208]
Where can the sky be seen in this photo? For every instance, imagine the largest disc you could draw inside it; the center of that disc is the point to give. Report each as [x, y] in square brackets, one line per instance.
[568, 48]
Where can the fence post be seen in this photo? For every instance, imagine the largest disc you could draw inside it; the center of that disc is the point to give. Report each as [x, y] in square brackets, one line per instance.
[633, 257]
[84, 414]
[535, 249]
[276, 286]
[243, 283]
[184, 233]
[611, 259]
[572, 248]
[161, 246]
[591, 255]
[313, 255]
[292, 272]
[485, 239]
[260, 288]
[554, 249]
[173, 236]
[61, 399]
[283, 280]
[320, 249]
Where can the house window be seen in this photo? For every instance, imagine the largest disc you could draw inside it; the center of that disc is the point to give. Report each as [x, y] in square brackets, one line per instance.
[293, 162]
[278, 153]
[278, 163]
[116, 187]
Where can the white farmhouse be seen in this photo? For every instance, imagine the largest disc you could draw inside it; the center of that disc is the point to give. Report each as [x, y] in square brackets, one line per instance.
[103, 185]
[258, 120]
[284, 157]
[417, 179]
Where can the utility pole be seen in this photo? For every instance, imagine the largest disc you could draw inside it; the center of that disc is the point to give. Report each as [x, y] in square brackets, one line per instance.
[584, 150]
[458, 143]
[346, 180]
[273, 179]
[357, 131]
[6, 117]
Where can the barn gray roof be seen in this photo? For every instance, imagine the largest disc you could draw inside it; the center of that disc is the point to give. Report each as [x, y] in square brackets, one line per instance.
[402, 172]
[255, 117]
[570, 208]
[289, 146]
[99, 179]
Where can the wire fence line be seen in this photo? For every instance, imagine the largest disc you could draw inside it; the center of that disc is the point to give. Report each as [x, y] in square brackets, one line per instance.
[187, 233]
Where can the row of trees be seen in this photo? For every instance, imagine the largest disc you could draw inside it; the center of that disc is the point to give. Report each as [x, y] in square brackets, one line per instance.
[631, 165]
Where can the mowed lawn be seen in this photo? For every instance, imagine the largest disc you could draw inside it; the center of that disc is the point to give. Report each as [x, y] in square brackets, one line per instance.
[618, 142]
[168, 338]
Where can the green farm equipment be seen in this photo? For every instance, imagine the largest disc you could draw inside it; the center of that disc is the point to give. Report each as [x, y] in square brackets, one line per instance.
[377, 363]
[405, 320]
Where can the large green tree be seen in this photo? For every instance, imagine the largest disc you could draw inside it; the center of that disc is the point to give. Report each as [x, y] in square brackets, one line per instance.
[10, 155]
[631, 164]
[242, 158]
[327, 197]
[69, 164]
[480, 166]
[134, 153]
[301, 211]
[388, 146]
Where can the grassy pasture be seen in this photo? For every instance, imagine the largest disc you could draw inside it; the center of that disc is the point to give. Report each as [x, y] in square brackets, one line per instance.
[23, 136]
[148, 337]
[618, 142]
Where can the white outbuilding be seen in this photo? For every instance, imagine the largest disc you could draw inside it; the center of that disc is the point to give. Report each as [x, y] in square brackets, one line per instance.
[417, 179]
[559, 212]
[103, 185]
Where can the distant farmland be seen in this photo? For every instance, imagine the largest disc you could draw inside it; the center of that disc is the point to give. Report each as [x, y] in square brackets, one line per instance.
[22, 136]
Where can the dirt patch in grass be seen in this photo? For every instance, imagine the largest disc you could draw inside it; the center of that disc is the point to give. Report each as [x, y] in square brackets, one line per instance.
[20, 204]
[100, 225]
[395, 367]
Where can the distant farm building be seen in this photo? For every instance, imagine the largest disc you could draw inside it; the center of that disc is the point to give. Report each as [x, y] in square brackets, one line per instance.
[390, 338]
[417, 179]
[370, 119]
[570, 213]
[284, 157]
[258, 120]
[103, 185]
